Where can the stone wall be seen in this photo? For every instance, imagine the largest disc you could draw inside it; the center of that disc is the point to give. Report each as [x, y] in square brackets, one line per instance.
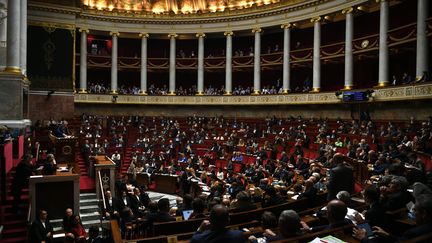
[43, 105]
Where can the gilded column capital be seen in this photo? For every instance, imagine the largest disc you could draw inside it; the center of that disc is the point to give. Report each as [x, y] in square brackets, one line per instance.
[288, 26]
[317, 19]
[172, 35]
[84, 30]
[200, 35]
[228, 33]
[380, 1]
[348, 10]
[257, 30]
[114, 33]
[144, 35]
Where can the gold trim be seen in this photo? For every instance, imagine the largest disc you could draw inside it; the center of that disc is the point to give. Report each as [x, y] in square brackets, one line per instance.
[172, 93]
[199, 35]
[73, 33]
[84, 30]
[257, 30]
[288, 26]
[348, 10]
[51, 24]
[200, 93]
[82, 91]
[285, 91]
[315, 90]
[114, 91]
[383, 83]
[228, 93]
[142, 92]
[347, 87]
[228, 33]
[13, 70]
[172, 35]
[256, 92]
[114, 33]
[316, 19]
[144, 35]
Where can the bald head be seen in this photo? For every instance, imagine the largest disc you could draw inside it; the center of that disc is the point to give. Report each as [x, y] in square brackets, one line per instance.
[336, 211]
[219, 217]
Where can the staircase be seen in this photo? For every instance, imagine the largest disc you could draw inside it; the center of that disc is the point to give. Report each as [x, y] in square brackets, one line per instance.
[89, 212]
[14, 225]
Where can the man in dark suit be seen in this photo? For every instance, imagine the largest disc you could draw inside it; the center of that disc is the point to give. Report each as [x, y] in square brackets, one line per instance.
[163, 213]
[23, 171]
[341, 177]
[394, 195]
[41, 229]
[214, 231]
[111, 209]
[139, 201]
[124, 201]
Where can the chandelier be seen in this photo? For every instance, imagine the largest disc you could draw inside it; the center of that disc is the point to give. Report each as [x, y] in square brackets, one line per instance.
[173, 6]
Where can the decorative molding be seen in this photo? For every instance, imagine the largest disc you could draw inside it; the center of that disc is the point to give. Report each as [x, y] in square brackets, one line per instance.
[199, 35]
[411, 92]
[257, 30]
[316, 19]
[144, 35]
[114, 33]
[228, 33]
[172, 35]
[347, 10]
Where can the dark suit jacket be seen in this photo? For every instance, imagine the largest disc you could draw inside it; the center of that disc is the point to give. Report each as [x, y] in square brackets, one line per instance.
[396, 200]
[121, 205]
[142, 201]
[243, 208]
[376, 216]
[38, 232]
[226, 236]
[160, 217]
[341, 179]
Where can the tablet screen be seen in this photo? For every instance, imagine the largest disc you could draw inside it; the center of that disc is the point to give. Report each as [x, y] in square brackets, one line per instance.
[187, 214]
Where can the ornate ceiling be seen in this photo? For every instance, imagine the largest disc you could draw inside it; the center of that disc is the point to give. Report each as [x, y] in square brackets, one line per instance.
[178, 6]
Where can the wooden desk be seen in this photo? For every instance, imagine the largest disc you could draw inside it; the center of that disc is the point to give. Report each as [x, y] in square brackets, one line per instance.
[54, 193]
[165, 183]
[105, 174]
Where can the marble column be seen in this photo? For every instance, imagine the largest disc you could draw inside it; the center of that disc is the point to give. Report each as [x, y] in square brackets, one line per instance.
[286, 57]
[144, 37]
[200, 63]
[23, 37]
[422, 62]
[114, 62]
[349, 32]
[383, 73]
[172, 64]
[3, 33]
[257, 60]
[13, 37]
[228, 63]
[316, 85]
[83, 61]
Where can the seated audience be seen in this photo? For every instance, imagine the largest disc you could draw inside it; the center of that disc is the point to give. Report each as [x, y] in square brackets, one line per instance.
[215, 230]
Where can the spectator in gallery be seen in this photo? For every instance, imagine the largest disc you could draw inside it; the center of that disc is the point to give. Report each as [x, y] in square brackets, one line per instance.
[406, 79]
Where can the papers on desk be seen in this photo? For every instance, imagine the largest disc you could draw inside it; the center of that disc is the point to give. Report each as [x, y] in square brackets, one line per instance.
[295, 197]
[205, 189]
[36, 176]
[357, 199]
[327, 239]
[63, 169]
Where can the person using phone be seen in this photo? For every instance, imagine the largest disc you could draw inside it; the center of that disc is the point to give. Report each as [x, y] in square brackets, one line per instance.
[423, 218]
